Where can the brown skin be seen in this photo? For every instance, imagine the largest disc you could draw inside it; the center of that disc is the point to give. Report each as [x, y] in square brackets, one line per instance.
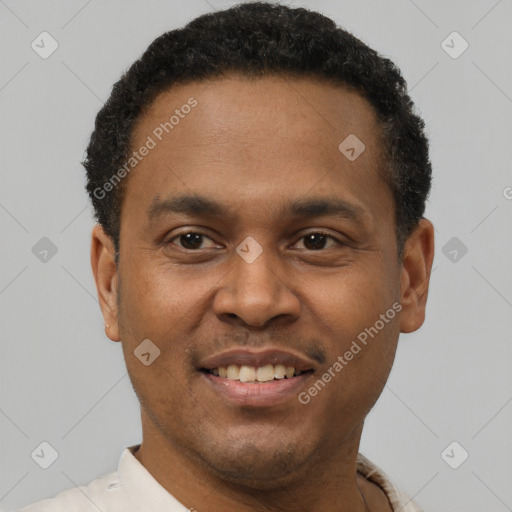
[251, 146]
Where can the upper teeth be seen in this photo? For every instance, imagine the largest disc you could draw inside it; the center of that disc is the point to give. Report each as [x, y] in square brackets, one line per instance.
[259, 374]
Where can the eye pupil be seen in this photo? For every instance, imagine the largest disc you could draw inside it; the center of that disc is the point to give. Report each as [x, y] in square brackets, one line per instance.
[191, 240]
[315, 240]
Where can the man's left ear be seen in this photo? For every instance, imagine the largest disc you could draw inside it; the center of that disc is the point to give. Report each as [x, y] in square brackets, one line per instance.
[417, 261]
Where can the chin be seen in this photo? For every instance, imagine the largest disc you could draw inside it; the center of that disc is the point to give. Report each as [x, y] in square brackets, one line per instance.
[256, 465]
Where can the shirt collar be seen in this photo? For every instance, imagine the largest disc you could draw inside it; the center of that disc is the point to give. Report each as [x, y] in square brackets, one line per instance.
[399, 501]
[142, 489]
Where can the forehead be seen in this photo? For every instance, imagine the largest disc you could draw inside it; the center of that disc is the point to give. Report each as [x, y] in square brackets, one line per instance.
[246, 141]
[263, 108]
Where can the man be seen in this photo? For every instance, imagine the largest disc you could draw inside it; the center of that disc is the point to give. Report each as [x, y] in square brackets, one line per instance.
[259, 178]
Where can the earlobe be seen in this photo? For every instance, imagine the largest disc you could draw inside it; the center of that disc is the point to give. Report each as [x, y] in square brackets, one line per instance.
[105, 273]
[415, 276]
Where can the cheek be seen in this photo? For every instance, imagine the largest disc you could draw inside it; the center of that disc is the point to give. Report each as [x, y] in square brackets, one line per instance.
[154, 300]
[156, 306]
[353, 299]
[168, 307]
[357, 368]
[358, 313]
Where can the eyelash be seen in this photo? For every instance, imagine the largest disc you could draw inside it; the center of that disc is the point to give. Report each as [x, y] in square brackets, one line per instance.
[319, 232]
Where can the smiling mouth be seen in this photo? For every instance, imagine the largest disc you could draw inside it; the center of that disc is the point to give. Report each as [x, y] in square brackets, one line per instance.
[255, 374]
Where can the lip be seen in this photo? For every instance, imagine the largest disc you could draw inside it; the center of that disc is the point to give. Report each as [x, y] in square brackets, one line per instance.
[264, 394]
[254, 358]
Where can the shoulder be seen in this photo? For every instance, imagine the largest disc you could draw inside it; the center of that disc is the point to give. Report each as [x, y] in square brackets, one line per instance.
[97, 495]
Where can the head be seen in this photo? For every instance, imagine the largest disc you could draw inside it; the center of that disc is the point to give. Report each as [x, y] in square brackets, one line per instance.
[259, 178]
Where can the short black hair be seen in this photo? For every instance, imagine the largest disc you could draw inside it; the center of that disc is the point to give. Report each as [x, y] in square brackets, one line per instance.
[257, 39]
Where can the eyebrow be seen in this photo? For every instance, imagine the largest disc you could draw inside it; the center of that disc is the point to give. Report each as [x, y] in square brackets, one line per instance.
[196, 205]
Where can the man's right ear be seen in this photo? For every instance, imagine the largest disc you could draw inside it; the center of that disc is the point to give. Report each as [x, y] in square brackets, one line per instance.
[104, 269]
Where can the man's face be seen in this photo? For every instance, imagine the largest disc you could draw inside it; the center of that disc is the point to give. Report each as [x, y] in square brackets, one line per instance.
[255, 148]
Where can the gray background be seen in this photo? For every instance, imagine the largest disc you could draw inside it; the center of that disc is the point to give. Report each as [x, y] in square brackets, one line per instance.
[64, 382]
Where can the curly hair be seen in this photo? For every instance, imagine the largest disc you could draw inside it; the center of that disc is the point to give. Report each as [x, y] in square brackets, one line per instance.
[258, 39]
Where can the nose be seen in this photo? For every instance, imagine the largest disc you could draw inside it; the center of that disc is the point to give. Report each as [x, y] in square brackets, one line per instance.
[256, 293]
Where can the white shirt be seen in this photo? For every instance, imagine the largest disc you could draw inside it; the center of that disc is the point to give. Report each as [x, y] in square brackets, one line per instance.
[132, 489]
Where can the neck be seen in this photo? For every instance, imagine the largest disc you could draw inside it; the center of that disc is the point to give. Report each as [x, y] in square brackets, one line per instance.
[327, 483]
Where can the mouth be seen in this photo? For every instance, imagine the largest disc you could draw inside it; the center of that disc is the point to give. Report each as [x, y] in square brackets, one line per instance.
[256, 374]
[248, 378]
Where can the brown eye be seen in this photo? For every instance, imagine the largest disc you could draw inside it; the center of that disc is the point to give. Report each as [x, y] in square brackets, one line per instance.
[317, 240]
[190, 240]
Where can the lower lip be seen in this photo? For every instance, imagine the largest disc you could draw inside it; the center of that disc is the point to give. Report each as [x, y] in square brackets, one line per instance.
[261, 394]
